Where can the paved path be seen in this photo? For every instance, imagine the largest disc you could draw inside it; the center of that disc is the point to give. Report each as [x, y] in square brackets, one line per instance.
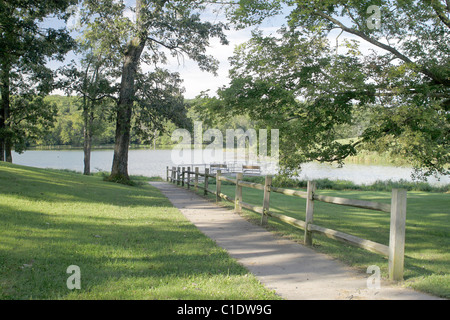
[294, 271]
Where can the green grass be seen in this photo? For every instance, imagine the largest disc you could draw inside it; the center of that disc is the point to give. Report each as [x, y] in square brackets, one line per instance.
[427, 256]
[129, 242]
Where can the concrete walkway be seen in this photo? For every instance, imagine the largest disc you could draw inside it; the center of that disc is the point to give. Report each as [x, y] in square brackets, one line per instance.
[294, 271]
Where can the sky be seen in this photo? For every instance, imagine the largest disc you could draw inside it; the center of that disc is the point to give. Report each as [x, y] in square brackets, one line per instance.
[196, 80]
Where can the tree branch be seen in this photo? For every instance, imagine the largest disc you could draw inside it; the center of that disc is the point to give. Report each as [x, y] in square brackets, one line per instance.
[341, 157]
[165, 45]
[381, 45]
[438, 7]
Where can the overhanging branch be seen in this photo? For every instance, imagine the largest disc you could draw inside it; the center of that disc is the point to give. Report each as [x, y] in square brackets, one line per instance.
[381, 45]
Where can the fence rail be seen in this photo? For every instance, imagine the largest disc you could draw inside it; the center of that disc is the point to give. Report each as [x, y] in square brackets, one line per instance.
[397, 210]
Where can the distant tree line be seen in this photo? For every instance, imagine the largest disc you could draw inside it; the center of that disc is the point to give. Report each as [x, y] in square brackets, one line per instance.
[67, 129]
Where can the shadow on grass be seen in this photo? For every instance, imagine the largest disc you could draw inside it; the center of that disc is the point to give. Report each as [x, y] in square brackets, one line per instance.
[105, 251]
[55, 223]
[59, 186]
[427, 231]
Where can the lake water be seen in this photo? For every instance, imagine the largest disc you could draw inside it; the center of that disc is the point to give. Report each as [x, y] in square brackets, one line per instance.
[153, 163]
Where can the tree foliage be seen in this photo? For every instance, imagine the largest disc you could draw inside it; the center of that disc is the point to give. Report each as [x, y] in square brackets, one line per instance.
[145, 34]
[159, 98]
[25, 48]
[299, 82]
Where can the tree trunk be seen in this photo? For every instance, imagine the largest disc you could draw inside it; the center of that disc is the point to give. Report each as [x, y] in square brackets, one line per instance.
[8, 151]
[119, 171]
[87, 133]
[5, 144]
[2, 127]
[87, 156]
[8, 144]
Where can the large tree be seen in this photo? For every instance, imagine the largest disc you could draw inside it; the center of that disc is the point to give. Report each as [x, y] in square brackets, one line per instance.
[92, 79]
[25, 48]
[299, 82]
[144, 34]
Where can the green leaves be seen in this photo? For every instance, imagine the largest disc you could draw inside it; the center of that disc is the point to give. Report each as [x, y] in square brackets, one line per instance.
[30, 118]
[412, 131]
[294, 83]
[158, 99]
[148, 31]
[298, 82]
[25, 48]
[245, 13]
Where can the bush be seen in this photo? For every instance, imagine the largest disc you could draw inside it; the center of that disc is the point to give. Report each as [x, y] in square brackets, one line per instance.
[286, 182]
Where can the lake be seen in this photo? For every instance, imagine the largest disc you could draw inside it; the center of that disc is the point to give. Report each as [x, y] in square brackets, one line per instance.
[153, 163]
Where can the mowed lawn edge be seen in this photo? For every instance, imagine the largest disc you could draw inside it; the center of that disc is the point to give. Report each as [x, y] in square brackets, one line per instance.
[129, 242]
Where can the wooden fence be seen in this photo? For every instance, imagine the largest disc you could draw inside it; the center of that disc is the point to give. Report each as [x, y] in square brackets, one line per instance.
[397, 210]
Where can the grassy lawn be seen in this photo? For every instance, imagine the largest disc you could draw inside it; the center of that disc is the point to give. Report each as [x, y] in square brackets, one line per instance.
[129, 243]
[427, 255]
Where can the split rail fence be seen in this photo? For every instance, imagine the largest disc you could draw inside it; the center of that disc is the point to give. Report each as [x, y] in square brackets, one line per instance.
[184, 176]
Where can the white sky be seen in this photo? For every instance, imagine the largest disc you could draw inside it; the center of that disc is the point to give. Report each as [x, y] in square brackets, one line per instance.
[196, 80]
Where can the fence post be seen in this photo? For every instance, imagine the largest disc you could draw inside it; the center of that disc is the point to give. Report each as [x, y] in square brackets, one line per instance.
[196, 179]
[188, 180]
[311, 188]
[206, 181]
[238, 193]
[266, 201]
[218, 184]
[173, 175]
[397, 234]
